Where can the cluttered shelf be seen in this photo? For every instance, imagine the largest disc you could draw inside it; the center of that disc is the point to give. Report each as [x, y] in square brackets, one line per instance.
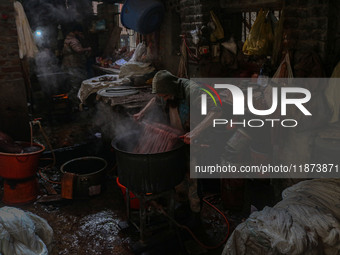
[124, 80]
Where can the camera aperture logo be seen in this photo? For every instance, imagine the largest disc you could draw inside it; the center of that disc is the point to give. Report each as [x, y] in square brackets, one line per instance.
[238, 104]
[204, 98]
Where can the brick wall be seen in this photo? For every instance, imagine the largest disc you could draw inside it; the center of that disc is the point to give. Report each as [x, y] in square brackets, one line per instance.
[13, 103]
[191, 12]
[9, 59]
[306, 25]
[169, 37]
[181, 17]
[312, 25]
[196, 13]
[333, 44]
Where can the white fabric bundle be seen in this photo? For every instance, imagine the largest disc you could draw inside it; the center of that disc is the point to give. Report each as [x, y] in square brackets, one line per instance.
[23, 233]
[305, 222]
[27, 46]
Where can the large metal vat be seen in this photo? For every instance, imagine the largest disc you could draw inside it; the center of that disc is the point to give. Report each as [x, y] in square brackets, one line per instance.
[148, 173]
[88, 177]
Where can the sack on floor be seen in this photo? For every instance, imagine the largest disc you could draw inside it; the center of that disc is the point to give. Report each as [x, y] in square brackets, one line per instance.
[306, 221]
[23, 233]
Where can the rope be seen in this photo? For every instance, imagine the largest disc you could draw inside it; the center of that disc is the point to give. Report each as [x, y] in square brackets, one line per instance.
[31, 133]
[50, 166]
[45, 178]
[48, 143]
[191, 54]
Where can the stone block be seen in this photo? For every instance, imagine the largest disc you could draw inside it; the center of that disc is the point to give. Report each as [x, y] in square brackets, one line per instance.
[307, 2]
[16, 75]
[291, 2]
[14, 62]
[318, 11]
[11, 69]
[195, 9]
[314, 23]
[13, 109]
[291, 22]
[8, 39]
[319, 35]
[185, 2]
[295, 33]
[322, 23]
[297, 12]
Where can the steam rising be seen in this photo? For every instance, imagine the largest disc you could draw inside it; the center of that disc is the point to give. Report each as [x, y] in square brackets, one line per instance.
[49, 73]
[114, 125]
[156, 114]
[45, 16]
[42, 13]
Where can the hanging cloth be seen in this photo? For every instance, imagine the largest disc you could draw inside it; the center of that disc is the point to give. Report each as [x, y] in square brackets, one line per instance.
[182, 67]
[27, 46]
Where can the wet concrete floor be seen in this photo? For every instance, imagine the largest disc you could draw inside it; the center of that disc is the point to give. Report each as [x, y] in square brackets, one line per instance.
[99, 225]
[88, 226]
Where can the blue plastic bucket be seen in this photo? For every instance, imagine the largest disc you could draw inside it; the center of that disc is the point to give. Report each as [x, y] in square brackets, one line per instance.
[143, 16]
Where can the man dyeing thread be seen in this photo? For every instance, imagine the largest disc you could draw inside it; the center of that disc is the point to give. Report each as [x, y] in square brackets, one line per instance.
[174, 95]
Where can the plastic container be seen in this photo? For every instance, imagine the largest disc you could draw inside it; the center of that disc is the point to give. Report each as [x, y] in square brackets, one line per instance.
[20, 165]
[143, 16]
[134, 201]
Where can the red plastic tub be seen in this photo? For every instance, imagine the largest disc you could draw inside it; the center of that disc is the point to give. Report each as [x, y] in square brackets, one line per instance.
[134, 201]
[20, 192]
[20, 165]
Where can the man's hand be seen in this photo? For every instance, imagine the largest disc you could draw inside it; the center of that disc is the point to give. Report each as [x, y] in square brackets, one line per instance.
[138, 116]
[186, 138]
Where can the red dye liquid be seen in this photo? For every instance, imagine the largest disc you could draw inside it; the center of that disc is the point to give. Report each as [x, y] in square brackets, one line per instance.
[156, 138]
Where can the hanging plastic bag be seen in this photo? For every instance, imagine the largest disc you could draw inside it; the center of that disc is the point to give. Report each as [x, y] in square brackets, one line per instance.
[260, 38]
[139, 52]
[284, 71]
[218, 32]
[282, 77]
